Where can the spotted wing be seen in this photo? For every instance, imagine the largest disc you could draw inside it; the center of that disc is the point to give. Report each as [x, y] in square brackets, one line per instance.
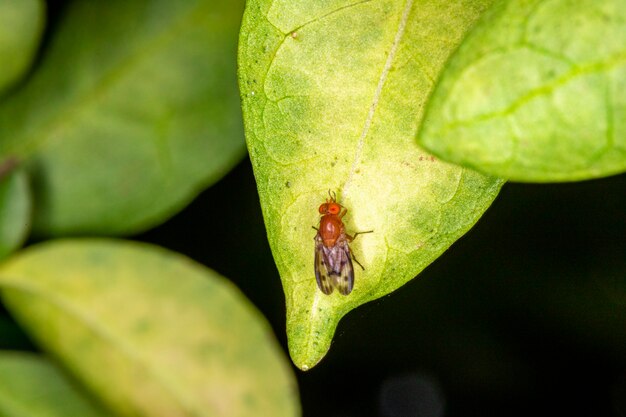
[324, 281]
[343, 273]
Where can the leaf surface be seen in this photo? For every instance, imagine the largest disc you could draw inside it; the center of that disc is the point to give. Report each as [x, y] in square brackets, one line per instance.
[536, 93]
[132, 112]
[149, 331]
[21, 26]
[32, 386]
[15, 208]
[332, 95]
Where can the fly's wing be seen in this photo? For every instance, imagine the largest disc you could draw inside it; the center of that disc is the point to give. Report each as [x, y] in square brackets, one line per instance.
[343, 274]
[324, 282]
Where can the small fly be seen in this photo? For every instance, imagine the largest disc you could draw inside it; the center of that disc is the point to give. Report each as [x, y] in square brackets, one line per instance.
[333, 258]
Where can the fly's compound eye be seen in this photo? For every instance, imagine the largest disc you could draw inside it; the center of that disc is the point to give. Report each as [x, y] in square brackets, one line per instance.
[334, 208]
[323, 208]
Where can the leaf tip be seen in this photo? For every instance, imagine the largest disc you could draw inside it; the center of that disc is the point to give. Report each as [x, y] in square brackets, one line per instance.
[306, 362]
[310, 333]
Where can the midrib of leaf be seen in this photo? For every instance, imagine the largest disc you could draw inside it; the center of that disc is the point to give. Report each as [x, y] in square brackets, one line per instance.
[379, 89]
[366, 127]
[102, 333]
[31, 141]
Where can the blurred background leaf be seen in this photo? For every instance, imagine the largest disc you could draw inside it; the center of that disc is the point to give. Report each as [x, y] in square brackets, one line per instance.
[132, 111]
[332, 94]
[32, 386]
[536, 92]
[149, 331]
[15, 208]
[21, 27]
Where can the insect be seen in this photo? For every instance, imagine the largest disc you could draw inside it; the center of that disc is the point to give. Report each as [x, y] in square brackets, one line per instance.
[333, 259]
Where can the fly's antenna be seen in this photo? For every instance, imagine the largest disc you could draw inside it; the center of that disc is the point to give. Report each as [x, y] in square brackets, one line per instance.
[332, 195]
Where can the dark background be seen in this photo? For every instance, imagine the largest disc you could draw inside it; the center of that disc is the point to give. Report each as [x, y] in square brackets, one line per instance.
[524, 315]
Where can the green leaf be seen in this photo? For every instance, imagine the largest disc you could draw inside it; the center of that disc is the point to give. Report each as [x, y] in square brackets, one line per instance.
[332, 95]
[536, 93]
[21, 26]
[132, 112]
[31, 386]
[15, 208]
[149, 331]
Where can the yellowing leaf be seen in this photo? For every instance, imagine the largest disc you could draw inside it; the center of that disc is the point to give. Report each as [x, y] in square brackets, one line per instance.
[149, 331]
[332, 95]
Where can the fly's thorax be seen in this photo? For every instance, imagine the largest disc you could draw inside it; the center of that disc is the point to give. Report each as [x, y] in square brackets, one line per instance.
[331, 228]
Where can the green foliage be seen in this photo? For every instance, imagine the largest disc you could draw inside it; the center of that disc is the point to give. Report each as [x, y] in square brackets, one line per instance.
[132, 111]
[21, 26]
[536, 93]
[15, 208]
[332, 96]
[149, 331]
[32, 386]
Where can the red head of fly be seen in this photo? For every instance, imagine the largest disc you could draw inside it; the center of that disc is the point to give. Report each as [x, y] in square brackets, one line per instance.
[333, 258]
[331, 225]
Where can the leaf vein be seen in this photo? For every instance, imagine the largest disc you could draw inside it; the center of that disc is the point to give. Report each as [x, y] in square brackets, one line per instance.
[347, 6]
[543, 90]
[379, 89]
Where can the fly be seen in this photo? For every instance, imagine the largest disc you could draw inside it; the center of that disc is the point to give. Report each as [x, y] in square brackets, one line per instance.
[333, 258]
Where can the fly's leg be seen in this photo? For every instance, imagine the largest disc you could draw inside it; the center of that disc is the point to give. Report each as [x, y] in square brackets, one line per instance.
[351, 238]
[355, 260]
